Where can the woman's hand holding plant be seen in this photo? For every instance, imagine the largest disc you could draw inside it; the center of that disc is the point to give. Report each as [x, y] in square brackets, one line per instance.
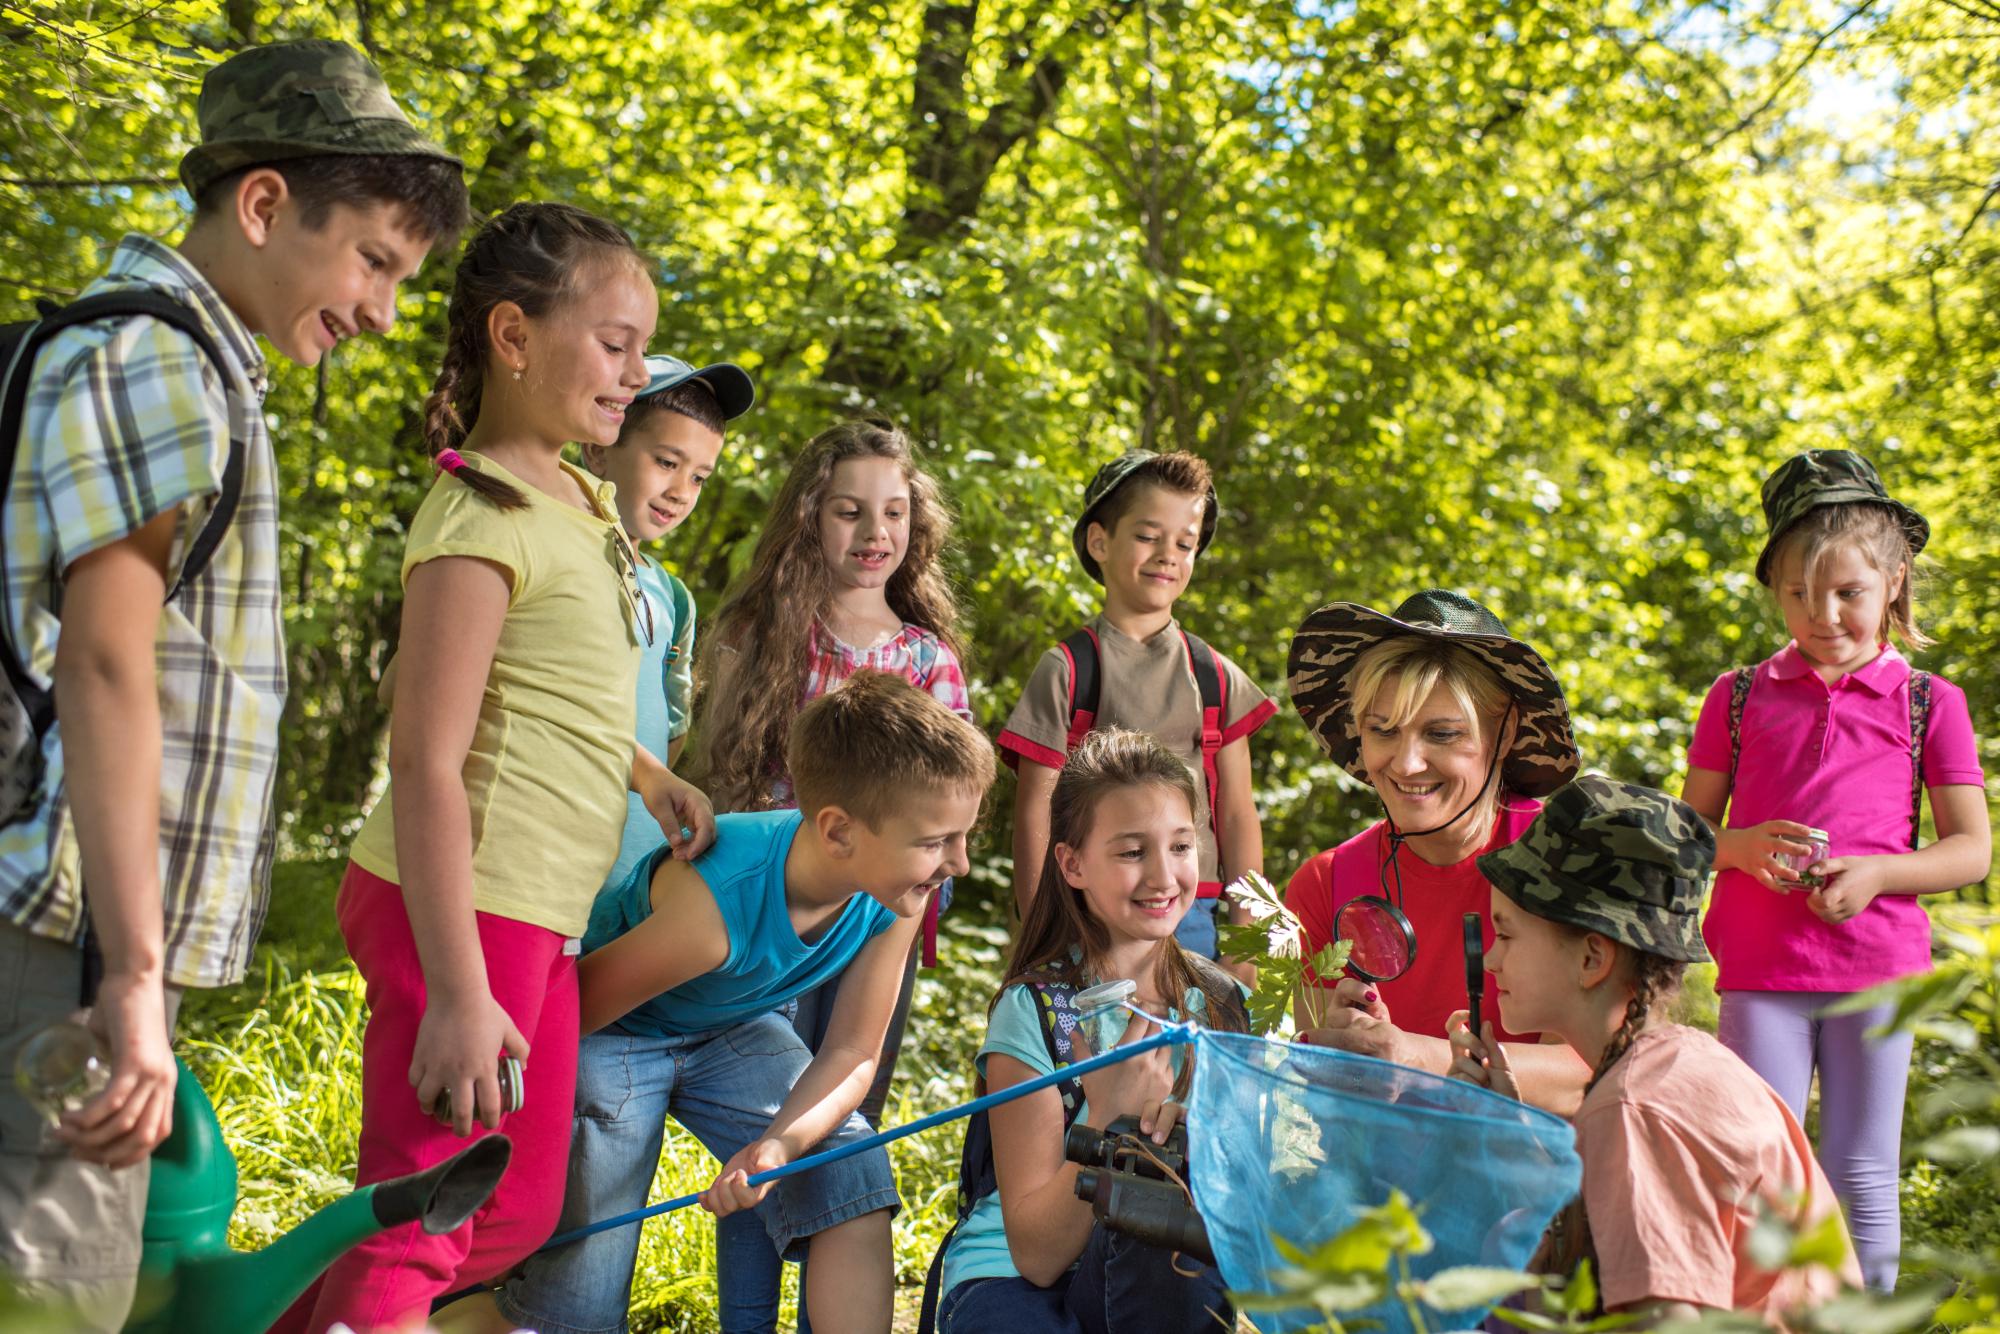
[1358, 1020]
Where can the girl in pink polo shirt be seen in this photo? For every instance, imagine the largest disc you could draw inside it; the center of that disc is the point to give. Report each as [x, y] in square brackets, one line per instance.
[1834, 737]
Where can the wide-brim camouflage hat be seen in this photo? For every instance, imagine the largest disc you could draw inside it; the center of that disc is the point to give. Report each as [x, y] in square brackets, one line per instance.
[1108, 479]
[291, 100]
[1326, 647]
[1625, 861]
[1819, 477]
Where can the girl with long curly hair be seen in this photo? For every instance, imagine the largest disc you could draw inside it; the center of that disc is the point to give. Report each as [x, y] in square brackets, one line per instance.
[846, 577]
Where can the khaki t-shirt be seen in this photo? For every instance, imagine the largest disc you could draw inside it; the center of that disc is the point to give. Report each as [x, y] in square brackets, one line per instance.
[1682, 1145]
[551, 753]
[1146, 686]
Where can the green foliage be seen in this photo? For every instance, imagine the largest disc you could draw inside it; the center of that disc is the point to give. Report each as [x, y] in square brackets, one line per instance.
[1523, 302]
[1517, 299]
[280, 1057]
[1274, 941]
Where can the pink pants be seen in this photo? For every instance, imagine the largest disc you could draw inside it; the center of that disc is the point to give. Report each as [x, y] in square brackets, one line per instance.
[390, 1280]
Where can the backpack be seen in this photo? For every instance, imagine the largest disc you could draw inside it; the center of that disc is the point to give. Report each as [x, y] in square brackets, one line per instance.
[28, 711]
[1085, 684]
[1920, 718]
[1055, 1005]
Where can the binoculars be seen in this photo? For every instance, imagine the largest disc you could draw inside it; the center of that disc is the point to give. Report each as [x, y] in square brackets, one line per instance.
[1125, 1179]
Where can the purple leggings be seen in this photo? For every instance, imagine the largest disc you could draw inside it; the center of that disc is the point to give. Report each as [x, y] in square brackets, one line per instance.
[1783, 1037]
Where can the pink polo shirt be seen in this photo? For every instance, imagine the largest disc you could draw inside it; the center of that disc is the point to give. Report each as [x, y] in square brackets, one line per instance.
[1837, 758]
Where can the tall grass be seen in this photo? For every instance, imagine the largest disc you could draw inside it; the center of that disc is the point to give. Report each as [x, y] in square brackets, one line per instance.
[280, 1057]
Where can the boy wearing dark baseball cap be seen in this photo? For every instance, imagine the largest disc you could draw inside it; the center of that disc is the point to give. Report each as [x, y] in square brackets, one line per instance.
[146, 664]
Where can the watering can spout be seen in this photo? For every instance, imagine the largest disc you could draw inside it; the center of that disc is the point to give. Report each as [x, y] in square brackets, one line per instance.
[191, 1280]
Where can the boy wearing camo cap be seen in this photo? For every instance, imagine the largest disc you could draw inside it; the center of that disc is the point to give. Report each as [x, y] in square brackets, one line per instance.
[1146, 520]
[142, 580]
[1596, 914]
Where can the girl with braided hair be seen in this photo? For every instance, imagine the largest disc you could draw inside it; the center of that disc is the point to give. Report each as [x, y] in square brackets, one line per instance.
[471, 881]
[1595, 917]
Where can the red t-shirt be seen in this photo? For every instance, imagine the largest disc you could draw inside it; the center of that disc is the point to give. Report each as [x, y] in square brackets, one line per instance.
[1435, 899]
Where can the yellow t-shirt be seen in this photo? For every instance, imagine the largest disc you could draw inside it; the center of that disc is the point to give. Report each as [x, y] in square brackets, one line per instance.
[552, 751]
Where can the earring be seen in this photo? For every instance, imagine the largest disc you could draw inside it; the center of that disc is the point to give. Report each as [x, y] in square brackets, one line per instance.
[517, 371]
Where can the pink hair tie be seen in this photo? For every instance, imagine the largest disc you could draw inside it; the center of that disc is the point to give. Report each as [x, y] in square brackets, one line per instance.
[449, 460]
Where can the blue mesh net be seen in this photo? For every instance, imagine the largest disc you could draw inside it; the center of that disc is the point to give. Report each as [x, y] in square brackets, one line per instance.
[1294, 1142]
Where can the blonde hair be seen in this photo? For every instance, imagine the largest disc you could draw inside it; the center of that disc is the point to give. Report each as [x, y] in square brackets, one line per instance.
[875, 741]
[771, 616]
[1875, 532]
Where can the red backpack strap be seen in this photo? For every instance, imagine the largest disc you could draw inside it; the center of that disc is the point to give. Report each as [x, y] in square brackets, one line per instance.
[1084, 679]
[1212, 685]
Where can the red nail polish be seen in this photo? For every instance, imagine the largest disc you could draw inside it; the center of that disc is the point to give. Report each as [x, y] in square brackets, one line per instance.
[1371, 996]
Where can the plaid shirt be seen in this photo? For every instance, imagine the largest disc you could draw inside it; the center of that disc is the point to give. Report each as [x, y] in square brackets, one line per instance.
[126, 420]
[913, 652]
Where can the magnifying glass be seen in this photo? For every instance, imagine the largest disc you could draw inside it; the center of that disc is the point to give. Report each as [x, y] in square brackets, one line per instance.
[1381, 942]
[1475, 970]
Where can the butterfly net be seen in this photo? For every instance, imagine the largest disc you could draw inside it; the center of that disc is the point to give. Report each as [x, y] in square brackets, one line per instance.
[1294, 1142]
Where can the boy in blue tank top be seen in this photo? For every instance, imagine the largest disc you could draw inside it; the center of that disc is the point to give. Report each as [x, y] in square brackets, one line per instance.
[685, 967]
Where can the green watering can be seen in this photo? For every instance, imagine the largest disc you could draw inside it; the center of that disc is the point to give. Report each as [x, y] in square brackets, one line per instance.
[192, 1281]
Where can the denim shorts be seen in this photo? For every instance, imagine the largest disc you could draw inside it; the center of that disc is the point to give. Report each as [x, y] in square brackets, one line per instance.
[724, 1086]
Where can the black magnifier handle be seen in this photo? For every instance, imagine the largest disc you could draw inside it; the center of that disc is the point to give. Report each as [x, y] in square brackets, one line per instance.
[1475, 971]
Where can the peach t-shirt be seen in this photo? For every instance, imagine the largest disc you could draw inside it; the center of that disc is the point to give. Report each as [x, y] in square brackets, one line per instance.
[1681, 1144]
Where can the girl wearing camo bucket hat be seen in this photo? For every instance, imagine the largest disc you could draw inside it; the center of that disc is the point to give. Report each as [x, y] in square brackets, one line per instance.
[1460, 728]
[1813, 766]
[1595, 913]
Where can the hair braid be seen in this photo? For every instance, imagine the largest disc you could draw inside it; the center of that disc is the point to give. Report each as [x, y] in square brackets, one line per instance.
[1654, 979]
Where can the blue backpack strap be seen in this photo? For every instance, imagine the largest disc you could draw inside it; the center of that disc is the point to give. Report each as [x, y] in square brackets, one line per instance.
[1920, 726]
[1055, 1007]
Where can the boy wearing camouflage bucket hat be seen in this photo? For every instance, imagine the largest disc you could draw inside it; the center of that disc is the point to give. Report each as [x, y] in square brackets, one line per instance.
[1813, 767]
[142, 529]
[1595, 912]
[1146, 518]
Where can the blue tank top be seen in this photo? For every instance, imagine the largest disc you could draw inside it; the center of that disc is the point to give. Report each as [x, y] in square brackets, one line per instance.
[768, 964]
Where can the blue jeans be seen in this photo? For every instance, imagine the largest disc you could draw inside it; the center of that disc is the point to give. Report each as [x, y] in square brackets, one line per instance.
[749, 1272]
[724, 1086]
[1196, 933]
[1119, 1286]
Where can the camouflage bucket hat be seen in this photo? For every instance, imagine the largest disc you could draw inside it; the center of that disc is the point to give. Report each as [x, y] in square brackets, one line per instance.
[1109, 478]
[297, 99]
[1624, 861]
[1827, 477]
[1325, 649]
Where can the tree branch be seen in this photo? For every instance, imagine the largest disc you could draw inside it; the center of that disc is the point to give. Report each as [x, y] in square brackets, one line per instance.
[87, 182]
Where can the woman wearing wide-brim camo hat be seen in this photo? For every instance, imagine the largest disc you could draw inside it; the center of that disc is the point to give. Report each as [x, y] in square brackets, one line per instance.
[1460, 728]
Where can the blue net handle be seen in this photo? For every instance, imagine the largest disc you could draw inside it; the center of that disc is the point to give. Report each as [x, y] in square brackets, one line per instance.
[1169, 1034]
